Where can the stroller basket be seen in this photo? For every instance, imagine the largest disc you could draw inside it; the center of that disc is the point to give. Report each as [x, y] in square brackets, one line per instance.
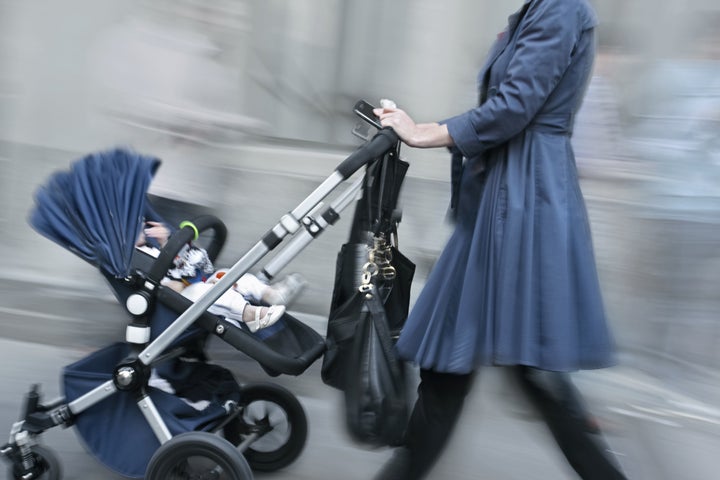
[119, 413]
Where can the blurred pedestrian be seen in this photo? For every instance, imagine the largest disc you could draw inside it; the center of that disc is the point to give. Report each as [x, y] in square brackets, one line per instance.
[516, 284]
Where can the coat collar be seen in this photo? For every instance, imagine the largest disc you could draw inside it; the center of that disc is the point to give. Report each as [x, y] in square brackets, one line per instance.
[514, 19]
[505, 35]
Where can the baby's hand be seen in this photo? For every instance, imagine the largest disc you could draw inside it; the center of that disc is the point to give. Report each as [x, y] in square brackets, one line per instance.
[158, 231]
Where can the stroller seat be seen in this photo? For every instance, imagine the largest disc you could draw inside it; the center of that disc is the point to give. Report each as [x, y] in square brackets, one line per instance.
[287, 347]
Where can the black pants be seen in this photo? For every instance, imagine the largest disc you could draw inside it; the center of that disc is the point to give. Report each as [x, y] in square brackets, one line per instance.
[440, 400]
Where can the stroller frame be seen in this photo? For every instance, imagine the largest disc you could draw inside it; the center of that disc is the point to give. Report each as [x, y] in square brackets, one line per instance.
[30, 461]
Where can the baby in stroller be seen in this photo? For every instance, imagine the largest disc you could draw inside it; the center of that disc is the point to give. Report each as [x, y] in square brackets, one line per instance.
[193, 274]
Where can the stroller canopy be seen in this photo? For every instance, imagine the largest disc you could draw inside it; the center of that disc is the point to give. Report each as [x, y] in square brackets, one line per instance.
[96, 209]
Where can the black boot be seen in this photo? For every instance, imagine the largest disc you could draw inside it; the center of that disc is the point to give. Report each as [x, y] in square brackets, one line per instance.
[561, 407]
[440, 400]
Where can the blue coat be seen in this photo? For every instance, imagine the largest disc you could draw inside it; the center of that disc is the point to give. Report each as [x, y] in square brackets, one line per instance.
[517, 281]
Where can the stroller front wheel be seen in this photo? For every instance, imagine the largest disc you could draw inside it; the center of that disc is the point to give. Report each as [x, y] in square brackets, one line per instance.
[46, 466]
[279, 420]
[198, 455]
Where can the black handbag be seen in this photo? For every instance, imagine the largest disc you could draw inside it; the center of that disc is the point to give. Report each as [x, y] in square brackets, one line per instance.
[376, 218]
[393, 294]
[360, 359]
[370, 303]
[376, 406]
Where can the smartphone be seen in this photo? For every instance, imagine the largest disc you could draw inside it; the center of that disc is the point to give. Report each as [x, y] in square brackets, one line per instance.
[365, 111]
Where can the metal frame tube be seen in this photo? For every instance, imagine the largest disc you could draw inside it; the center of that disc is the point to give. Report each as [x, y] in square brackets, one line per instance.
[304, 238]
[96, 395]
[154, 419]
[165, 339]
[322, 191]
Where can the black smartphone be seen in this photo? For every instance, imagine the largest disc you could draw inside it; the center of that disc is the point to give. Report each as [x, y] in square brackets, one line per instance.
[365, 111]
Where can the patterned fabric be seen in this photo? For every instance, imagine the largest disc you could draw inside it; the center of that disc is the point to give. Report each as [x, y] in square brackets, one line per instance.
[192, 264]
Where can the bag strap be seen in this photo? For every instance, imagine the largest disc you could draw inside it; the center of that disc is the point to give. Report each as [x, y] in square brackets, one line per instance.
[387, 188]
[369, 183]
[379, 318]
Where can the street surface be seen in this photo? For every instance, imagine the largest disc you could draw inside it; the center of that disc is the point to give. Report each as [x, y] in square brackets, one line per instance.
[657, 434]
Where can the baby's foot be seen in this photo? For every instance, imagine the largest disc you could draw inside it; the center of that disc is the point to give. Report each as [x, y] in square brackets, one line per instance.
[284, 291]
[260, 317]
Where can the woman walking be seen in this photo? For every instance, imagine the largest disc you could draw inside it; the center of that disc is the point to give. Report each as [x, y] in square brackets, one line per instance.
[516, 284]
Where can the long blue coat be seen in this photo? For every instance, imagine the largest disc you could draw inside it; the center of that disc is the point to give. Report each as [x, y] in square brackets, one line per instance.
[517, 281]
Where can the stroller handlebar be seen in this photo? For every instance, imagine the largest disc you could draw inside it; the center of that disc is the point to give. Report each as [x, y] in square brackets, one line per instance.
[382, 142]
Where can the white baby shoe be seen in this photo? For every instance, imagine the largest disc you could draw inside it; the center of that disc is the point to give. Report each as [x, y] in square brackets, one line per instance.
[273, 313]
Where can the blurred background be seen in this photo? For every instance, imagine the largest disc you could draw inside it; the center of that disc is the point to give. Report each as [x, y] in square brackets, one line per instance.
[249, 105]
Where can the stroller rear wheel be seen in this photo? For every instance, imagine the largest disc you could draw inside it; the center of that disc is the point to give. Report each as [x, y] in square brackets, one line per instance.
[47, 466]
[198, 455]
[277, 417]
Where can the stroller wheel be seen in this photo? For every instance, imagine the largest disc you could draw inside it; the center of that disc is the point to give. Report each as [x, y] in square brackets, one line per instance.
[47, 466]
[197, 455]
[278, 418]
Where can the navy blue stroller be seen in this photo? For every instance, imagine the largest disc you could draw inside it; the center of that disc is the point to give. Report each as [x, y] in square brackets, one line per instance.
[207, 425]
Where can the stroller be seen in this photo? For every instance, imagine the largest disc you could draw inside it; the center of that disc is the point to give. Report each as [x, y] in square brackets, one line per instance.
[207, 425]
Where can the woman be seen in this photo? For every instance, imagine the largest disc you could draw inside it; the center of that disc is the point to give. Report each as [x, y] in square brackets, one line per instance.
[516, 284]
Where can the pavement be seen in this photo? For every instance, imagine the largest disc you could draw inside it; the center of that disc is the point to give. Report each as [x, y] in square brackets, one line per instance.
[658, 428]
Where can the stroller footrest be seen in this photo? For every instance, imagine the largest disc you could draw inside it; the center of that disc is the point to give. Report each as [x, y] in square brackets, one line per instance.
[290, 349]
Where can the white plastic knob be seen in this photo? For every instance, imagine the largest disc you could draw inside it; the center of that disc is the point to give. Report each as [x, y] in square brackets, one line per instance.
[137, 304]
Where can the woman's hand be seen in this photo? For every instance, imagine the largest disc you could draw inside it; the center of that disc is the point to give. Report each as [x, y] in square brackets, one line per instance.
[400, 121]
[420, 135]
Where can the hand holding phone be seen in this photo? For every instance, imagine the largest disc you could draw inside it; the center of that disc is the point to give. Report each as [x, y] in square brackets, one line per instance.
[365, 111]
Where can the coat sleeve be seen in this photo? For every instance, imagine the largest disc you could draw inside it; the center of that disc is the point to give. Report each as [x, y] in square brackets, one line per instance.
[546, 38]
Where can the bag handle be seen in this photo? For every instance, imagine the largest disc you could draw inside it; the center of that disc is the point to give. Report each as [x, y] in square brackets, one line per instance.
[379, 318]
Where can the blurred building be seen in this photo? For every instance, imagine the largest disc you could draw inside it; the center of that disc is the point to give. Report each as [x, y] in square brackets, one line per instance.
[248, 103]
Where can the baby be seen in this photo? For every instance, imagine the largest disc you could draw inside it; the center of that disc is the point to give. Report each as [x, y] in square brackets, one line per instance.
[193, 274]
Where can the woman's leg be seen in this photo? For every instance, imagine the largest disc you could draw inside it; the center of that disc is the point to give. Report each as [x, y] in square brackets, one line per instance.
[437, 408]
[555, 396]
